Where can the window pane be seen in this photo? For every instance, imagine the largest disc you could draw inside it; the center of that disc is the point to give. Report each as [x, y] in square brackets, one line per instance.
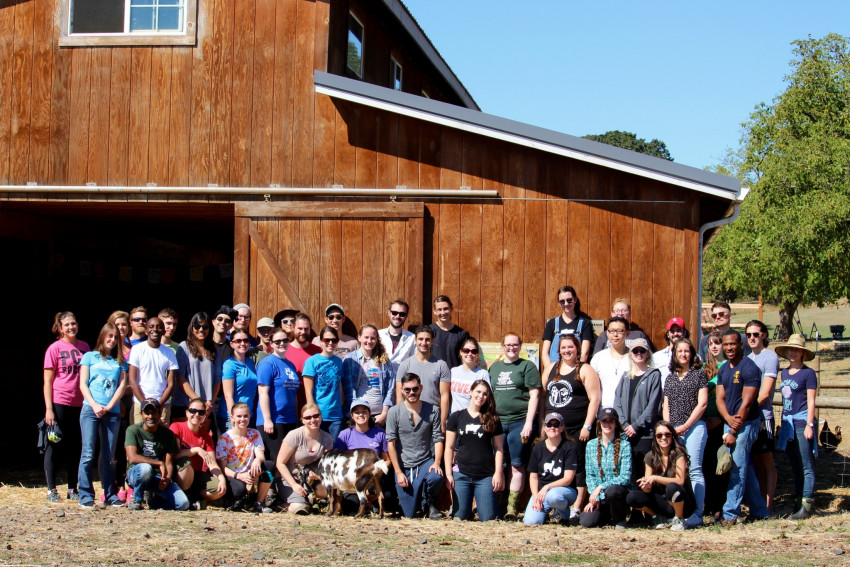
[355, 46]
[170, 2]
[170, 19]
[141, 19]
[97, 16]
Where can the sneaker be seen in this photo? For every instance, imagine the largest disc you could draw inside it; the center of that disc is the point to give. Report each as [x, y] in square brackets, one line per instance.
[237, 506]
[73, 495]
[575, 515]
[260, 508]
[88, 504]
[135, 505]
[660, 522]
[620, 525]
[53, 496]
[677, 525]
[116, 503]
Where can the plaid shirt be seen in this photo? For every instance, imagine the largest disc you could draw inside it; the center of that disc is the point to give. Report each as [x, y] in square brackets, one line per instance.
[605, 475]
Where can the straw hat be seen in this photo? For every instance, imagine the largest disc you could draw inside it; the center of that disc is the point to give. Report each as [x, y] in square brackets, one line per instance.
[795, 341]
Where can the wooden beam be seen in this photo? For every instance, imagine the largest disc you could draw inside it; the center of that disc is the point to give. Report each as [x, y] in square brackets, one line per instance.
[241, 260]
[414, 286]
[328, 209]
[275, 268]
[822, 402]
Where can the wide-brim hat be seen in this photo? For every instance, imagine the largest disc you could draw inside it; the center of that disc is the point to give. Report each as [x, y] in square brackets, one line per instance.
[795, 341]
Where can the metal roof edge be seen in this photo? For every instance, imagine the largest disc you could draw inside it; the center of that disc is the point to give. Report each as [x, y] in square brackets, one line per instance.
[475, 121]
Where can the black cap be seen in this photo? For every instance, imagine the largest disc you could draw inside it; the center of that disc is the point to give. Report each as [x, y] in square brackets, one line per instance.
[280, 315]
[608, 413]
[226, 310]
[151, 402]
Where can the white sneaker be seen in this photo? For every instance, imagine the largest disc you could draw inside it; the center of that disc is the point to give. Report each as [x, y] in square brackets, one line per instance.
[677, 525]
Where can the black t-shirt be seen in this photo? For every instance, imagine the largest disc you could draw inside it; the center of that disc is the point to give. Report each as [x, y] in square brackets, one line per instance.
[550, 465]
[475, 451]
[571, 328]
[447, 344]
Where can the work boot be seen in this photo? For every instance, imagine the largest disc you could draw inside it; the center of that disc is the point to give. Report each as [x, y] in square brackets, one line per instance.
[805, 509]
[510, 513]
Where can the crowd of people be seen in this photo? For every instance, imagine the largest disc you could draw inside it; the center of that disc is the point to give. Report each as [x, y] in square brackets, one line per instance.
[607, 433]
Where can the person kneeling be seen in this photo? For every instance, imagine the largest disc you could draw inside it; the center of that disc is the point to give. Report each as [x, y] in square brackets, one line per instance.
[665, 488]
[552, 469]
[150, 450]
[198, 473]
[608, 459]
[241, 454]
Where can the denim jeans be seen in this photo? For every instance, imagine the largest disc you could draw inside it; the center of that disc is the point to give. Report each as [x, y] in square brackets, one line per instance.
[418, 478]
[695, 439]
[333, 428]
[485, 499]
[92, 428]
[799, 451]
[743, 485]
[141, 477]
[559, 499]
[517, 453]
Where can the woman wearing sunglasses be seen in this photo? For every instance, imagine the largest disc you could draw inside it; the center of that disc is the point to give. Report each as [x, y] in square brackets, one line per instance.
[465, 375]
[198, 375]
[238, 378]
[198, 473]
[325, 383]
[551, 471]
[301, 447]
[665, 488]
[638, 403]
[571, 321]
[278, 385]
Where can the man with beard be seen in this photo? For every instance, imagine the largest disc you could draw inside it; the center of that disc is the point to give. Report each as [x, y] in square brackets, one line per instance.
[138, 321]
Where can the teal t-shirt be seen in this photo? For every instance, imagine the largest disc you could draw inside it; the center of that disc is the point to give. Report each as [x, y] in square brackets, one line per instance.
[104, 378]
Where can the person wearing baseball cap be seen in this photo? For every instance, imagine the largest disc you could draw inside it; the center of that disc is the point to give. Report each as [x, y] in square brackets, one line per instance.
[551, 471]
[335, 318]
[265, 326]
[676, 331]
[608, 463]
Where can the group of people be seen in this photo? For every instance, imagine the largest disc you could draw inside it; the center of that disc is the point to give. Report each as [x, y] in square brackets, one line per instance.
[607, 432]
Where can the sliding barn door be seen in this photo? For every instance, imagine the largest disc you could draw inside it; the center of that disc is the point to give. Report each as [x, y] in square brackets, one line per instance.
[308, 255]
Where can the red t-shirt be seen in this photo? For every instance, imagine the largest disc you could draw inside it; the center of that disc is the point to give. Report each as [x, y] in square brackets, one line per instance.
[298, 356]
[186, 439]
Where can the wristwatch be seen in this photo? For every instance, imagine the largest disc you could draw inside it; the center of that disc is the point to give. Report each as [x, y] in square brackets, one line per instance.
[812, 424]
[587, 427]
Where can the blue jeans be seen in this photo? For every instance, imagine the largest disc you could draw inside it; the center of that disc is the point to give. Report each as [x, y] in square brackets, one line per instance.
[559, 499]
[417, 479]
[695, 439]
[141, 477]
[743, 485]
[92, 427]
[517, 453]
[799, 451]
[482, 489]
[333, 428]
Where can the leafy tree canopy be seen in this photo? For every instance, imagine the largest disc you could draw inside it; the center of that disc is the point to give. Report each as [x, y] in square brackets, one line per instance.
[791, 242]
[630, 141]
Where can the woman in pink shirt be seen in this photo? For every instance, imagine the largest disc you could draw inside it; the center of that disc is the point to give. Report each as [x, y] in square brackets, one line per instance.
[63, 401]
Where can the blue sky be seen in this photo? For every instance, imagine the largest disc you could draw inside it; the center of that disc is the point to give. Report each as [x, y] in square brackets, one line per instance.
[687, 73]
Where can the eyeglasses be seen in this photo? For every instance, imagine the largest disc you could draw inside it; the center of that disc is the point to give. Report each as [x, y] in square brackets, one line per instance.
[566, 301]
[469, 350]
[243, 317]
[311, 417]
[719, 315]
[241, 341]
[661, 436]
[513, 346]
[201, 326]
[753, 335]
[280, 341]
[639, 350]
[196, 411]
[620, 311]
[288, 321]
[554, 424]
[330, 341]
[410, 390]
[335, 317]
[139, 319]
[616, 331]
[225, 320]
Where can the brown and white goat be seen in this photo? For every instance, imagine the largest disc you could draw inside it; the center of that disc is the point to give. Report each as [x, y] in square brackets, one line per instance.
[348, 471]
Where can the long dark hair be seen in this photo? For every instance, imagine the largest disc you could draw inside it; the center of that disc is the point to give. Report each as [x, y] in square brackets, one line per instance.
[117, 352]
[575, 340]
[192, 342]
[577, 302]
[693, 363]
[677, 449]
[618, 433]
[711, 367]
[762, 329]
[487, 414]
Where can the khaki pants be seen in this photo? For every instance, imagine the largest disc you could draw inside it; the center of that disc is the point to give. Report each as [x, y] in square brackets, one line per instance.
[137, 413]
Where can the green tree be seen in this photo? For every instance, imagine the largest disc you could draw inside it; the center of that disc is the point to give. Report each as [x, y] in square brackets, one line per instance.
[791, 242]
[630, 141]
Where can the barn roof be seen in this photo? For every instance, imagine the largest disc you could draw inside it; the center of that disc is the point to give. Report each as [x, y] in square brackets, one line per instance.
[542, 139]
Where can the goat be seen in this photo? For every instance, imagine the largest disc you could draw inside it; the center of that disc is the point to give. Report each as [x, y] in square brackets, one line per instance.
[347, 471]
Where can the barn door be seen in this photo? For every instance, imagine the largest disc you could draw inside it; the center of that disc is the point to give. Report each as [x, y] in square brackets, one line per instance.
[310, 254]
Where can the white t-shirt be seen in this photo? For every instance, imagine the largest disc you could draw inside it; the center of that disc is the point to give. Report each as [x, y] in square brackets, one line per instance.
[610, 371]
[153, 365]
[462, 381]
[661, 361]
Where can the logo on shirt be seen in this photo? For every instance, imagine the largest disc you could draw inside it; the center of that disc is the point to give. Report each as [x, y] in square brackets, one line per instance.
[504, 379]
[560, 394]
[735, 379]
[149, 449]
[473, 429]
[553, 467]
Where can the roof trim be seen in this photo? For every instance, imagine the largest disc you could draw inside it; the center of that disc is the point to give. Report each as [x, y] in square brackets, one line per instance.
[477, 122]
[411, 26]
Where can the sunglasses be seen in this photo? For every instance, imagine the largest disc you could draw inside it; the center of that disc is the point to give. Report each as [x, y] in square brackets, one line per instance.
[288, 321]
[336, 317]
[196, 411]
[661, 436]
[554, 424]
[139, 319]
[719, 315]
[330, 341]
[201, 326]
[639, 350]
[410, 390]
[224, 320]
[280, 341]
[311, 417]
[469, 350]
[753, 335]
[398, 313]
[241, 341]
[566, 301]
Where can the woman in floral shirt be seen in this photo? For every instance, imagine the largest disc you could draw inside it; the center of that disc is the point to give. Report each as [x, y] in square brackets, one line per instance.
[241, 454]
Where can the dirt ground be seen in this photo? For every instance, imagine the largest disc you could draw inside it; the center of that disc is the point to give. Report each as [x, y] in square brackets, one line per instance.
[33, 532]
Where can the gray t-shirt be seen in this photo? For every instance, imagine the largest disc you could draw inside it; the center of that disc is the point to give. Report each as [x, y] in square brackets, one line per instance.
[202, 374]
[414, 443]
[768, 363]
[431, 373]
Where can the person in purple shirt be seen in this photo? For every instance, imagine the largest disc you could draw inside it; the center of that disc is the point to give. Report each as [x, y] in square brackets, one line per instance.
[738, 383]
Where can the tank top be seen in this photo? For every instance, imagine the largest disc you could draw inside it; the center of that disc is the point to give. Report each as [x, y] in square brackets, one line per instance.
[568, 397]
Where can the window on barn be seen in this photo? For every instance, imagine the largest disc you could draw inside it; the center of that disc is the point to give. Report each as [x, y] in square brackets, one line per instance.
[395, 74]
[355, 45]
[128, 22]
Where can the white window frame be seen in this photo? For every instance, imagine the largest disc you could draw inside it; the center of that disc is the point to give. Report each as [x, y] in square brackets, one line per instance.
[185, 37]
[396, 66]
[362, 45]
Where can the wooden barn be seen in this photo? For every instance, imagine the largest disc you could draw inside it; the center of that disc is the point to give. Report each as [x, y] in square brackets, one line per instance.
[303, 152]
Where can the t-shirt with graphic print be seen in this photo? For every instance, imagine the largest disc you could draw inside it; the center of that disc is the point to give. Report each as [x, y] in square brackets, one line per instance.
[238, 456]
[511, 383]
[551, 465]
[64, 359]
[104, 377]
[475, 450]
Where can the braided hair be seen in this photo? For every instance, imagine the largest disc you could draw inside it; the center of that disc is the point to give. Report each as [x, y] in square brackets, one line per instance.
[618, 432]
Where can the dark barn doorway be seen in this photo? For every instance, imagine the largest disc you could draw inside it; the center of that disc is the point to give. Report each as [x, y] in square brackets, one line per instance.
[93, 259]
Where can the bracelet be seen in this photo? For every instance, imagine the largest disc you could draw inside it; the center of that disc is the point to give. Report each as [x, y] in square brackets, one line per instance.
[812, 424]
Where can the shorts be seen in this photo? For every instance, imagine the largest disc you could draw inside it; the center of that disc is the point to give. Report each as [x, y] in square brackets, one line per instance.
[203, 480]
[137, 413]
[765, 442]
[517, 453]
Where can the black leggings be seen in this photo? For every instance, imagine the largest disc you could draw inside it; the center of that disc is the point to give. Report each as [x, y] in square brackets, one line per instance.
[660, 498]
[612, 509]
[239, 489]
[273, 441]
[69, 449]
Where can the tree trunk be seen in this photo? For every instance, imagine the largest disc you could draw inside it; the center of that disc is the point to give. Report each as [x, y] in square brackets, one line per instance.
[786, 317]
